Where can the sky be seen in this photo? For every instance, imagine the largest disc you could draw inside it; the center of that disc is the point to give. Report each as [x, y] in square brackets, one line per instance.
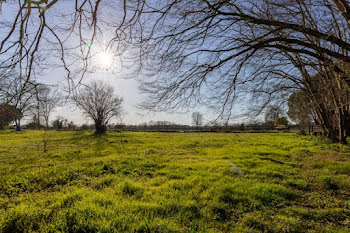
[126, 88]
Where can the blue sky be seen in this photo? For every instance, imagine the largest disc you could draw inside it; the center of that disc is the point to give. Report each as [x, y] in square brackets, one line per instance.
[127, 88]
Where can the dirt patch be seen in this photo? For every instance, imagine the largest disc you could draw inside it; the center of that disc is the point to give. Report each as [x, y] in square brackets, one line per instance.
[329, 157]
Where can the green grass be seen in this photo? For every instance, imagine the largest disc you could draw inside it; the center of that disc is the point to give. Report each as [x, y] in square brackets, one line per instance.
[172, 182]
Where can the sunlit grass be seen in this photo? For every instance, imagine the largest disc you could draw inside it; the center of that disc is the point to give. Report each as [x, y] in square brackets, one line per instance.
[172, 182]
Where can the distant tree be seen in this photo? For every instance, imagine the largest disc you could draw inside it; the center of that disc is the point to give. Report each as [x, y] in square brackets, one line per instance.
[272, 115]
[8, 114]
[65, 123]
[242, 127]
[47, 99]
[281, 121]
[99, 103]
[35, 122]
[197, 119]
[85, 126]
[71, 126]
[58, 123]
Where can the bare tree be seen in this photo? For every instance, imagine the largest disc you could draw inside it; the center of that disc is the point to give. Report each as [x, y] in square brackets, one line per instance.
[13, 92]
[99, 103]
[71, 126]
[215, 52]
[200, 37]
[301, 111]
[330, 100]
[197, 119]
[36, 34]
[58, 123]
[194, 43]
[47, 100]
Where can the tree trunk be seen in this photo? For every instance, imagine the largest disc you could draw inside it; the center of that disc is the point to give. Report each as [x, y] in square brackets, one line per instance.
[100, 128]
[18, 125]
[333, 135]
[328, 129]
[341, 129]
[343, 140]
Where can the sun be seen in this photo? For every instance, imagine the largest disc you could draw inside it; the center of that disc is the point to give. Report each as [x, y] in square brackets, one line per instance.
[104, 60]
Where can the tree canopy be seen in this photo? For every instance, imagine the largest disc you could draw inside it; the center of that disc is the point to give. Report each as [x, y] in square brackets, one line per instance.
[98, 102]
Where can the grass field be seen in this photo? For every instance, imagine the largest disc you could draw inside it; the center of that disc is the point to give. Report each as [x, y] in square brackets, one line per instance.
[172, 182]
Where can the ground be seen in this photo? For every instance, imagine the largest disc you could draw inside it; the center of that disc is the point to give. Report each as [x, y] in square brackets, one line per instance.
[172, 182]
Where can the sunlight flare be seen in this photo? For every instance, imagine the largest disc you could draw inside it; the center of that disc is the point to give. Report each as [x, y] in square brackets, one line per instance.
[104, 60]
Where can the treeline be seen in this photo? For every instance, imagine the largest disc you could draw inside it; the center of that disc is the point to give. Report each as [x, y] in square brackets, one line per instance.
[64, 124]
[168, 126]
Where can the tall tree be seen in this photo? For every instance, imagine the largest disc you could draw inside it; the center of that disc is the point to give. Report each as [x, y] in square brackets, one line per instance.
[215, 52]
[98, 102]
[47, 99]
[197, 119]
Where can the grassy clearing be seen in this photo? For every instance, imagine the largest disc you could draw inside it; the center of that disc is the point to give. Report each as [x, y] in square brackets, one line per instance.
[172, 182]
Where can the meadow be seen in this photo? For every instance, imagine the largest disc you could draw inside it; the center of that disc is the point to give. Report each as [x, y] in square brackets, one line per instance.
[172, 182]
